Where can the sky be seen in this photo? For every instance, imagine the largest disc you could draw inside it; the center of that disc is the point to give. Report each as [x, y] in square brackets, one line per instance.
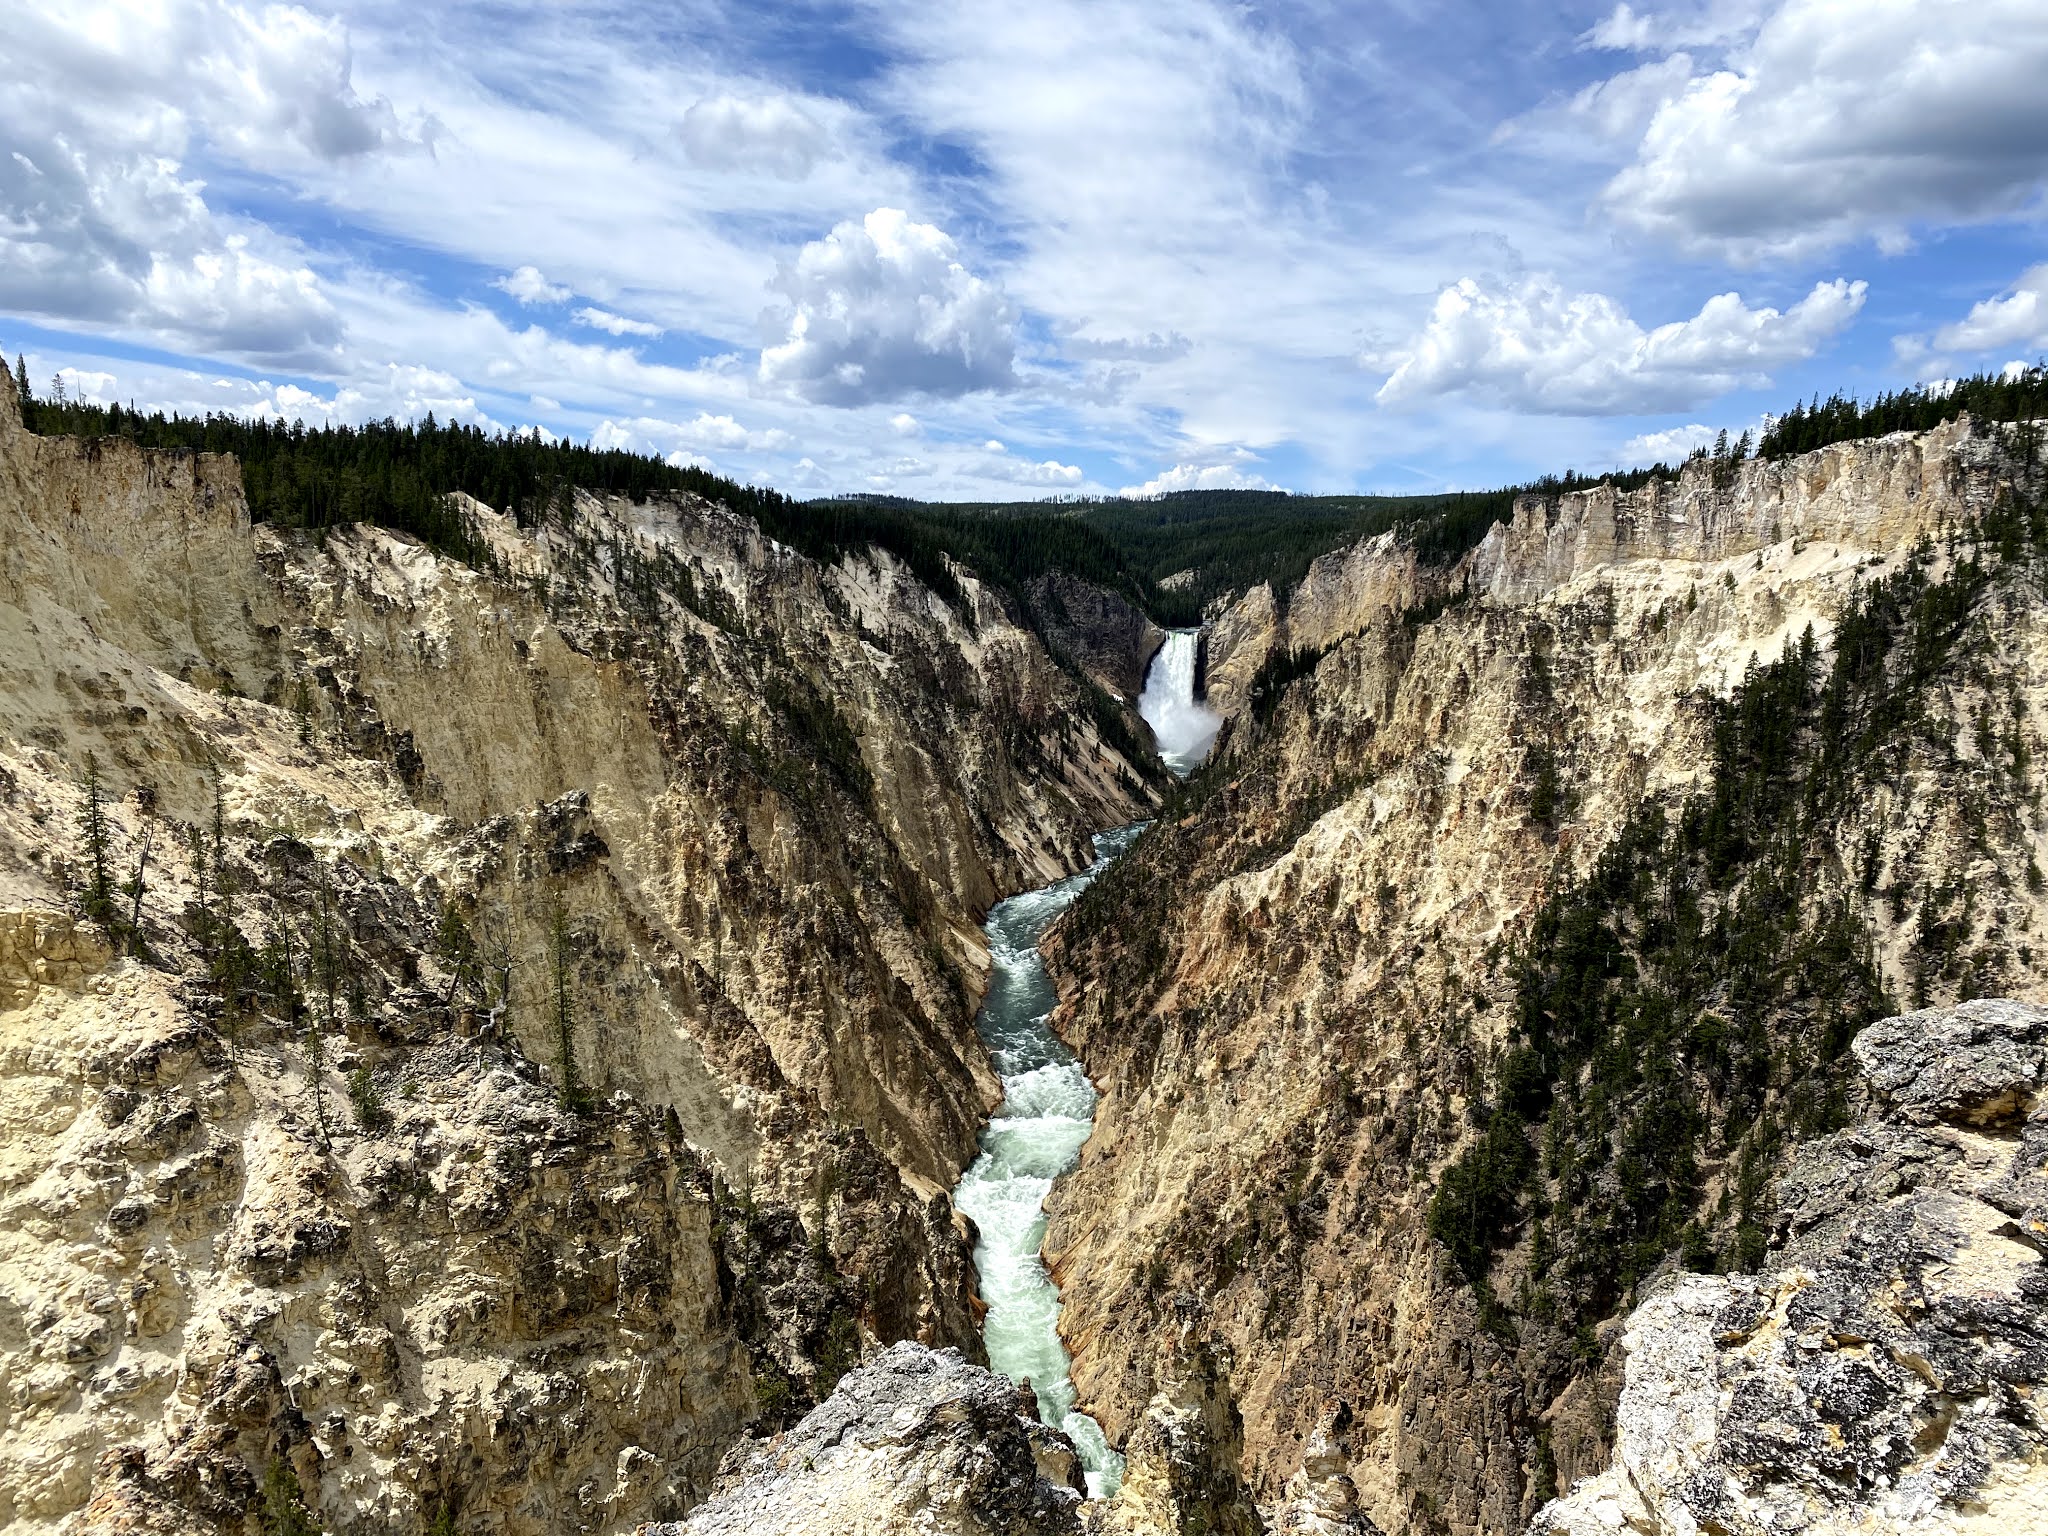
[963, 249]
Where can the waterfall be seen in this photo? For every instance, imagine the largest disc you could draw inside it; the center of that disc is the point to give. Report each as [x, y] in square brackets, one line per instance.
[1183, 726]
[1048, 1102]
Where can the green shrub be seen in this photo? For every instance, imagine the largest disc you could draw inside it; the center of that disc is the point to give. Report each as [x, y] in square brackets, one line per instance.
[283, 1509]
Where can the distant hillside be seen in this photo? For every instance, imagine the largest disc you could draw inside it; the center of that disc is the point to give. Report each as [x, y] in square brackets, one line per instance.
[1223, 542]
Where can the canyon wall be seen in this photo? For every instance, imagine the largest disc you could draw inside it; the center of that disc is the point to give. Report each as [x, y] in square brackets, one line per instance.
[1877, 495]
[1880, 1378]
[1300, 993]
[541, 1041]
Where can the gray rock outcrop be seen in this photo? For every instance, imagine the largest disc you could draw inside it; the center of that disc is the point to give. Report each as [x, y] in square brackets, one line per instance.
[1888, 1376]
[1183, 1474]
[916, 1440]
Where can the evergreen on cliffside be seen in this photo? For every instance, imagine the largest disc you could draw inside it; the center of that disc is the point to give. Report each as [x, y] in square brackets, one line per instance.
[1681, 1012]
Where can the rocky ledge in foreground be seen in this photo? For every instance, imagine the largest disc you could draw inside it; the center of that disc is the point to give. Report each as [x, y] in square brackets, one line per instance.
[1890, 1376]
[917, 1439]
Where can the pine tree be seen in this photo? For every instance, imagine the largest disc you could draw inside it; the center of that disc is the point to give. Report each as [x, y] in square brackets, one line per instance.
[277, 974]
[328, 961]
[223, 879]
[302, 708]
[92, 823]
[284, 1502]
[21, 380]
[573, 1096]
[327, 957]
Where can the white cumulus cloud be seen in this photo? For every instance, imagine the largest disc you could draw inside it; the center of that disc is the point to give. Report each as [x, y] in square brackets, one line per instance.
[1670, 446]
[103, 104]
[1045, 472]
[773, 135]
[281, 72]
[109, 234]
[1199, 477]
[704, 432]
[1531, 345]
[1843, 119]
[2016, 318]
[883, 309]
[1622, 106]
[528, 286]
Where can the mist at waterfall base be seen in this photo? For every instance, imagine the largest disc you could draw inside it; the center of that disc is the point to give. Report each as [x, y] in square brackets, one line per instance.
[1184, 728]
[1034, 1137]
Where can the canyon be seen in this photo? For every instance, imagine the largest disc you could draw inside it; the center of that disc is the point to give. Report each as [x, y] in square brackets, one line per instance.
[640, 988]
[1300, 995]
[491, 1043]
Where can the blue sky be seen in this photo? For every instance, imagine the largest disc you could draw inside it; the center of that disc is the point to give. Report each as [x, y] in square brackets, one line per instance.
[1004, 250]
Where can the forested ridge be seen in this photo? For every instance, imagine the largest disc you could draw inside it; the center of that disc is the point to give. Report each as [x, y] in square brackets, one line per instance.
[1172, 555]
[1186, 549]
[2020, 394]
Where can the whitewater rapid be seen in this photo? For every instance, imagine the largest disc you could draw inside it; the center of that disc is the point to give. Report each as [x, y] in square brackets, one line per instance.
[1184, 727]
[1034, 1137]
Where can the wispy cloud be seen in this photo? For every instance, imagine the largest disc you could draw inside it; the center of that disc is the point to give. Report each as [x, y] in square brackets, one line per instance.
[616, 325]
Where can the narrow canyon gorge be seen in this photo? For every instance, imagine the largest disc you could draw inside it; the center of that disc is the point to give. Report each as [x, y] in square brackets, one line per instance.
[634, 1026]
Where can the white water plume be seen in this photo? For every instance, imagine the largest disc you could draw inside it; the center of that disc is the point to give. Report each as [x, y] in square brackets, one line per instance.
[1184, 727]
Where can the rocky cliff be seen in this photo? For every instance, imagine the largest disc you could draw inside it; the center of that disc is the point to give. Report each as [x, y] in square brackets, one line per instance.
[475, 1037]
[1489, 970]
[1876, 496]
[1881, 1376]
[1884, 1374]
[1109, 636]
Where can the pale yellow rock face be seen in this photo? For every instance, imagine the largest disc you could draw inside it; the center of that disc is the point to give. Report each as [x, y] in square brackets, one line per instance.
[1877, 496]
[45, 949]
[771, 955]
[1297, 991]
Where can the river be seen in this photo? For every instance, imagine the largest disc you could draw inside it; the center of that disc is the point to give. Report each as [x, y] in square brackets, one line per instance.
[1048, 1102]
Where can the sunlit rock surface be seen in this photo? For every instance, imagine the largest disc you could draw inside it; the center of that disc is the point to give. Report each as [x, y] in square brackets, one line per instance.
[756, 805]
[915, 1441]
[1295, 990]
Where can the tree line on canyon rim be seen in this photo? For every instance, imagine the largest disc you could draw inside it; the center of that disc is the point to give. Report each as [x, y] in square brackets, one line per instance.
[1172, 555]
